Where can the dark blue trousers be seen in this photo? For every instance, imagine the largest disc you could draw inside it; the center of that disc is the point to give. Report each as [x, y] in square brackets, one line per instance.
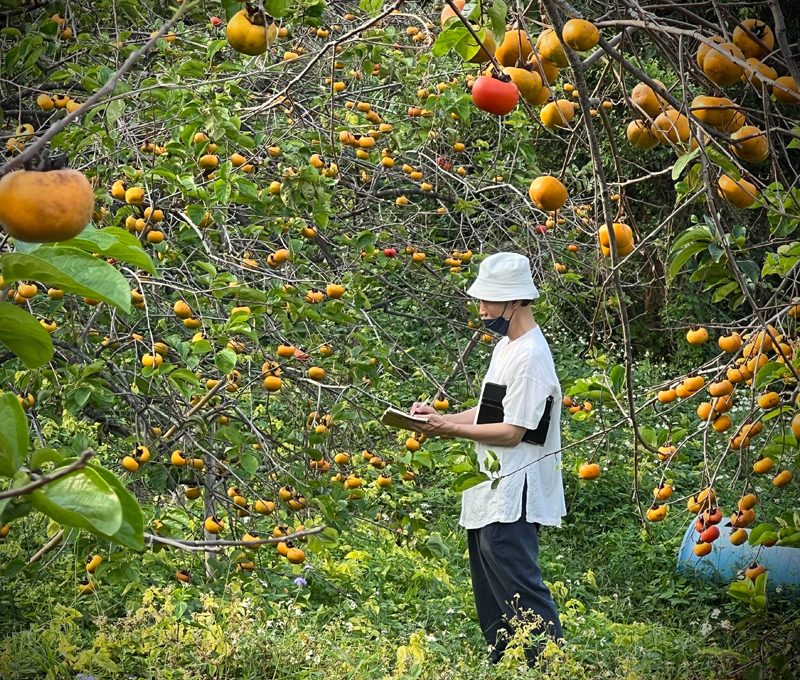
[507, 582]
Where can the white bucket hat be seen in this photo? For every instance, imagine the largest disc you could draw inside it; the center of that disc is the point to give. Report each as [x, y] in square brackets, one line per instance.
[503, 277]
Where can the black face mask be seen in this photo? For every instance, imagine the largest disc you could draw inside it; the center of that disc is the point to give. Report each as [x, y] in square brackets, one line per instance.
[499, 325]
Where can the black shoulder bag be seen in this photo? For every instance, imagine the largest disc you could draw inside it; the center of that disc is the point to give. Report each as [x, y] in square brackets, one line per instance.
[490, 410]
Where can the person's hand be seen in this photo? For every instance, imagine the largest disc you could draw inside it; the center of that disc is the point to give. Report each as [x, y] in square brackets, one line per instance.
[435, 426]
[420, 409]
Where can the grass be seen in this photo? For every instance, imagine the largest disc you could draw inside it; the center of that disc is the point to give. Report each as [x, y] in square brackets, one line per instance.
[375, 609]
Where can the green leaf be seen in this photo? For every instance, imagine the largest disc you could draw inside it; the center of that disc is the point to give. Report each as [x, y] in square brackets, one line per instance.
[682, 258]
[682, 162]
[467, 480]
[114, 111]
[72, 270]
[649, 435]
[113, 242]
[225, 360]
[41, 456]
[722, 161]
[14, 440]
[249, 464]
[231, 7]
[82, 499]
[279, 8]
[185, 375]
[449, 38]
[131, 531]
[468, 47]
[370, 6]
[497, 15]
[436, 546]
[754, 672]
[763, 532]
[769, 372]
[24, 336]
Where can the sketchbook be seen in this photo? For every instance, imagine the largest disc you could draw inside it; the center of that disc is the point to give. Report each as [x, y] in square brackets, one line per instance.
[393, 417]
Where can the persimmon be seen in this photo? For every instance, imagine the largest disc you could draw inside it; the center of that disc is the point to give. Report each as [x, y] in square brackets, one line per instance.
[748, 502]
[782, 479]
[667, 396]
[738, 537]
[723, 404]
[547, 70]
[557, 114]
[493, 95]
[718, 65]
[701, 549]
[623, 235]
[754, 571]
[86, 587]
[760, 74]
[213, 525]
[721, 388]
[740, 194]
[295, 556]
[182, 310]
[666, 453]
[662, 492]
[589, 471]
[152, 360]
[264, 507]
[528, 83]
[697, 336]
[710, 535]
[671, 127]
[547, 193]
[750, 144]
[45, 206]
[743, 518]
[549, 46]
[45, 102]
[749, 47]
[316, 373]
[130, 464]
[791, 97]
[247, 34]
[769, 400]
[641, 135]
[192, 492]
[705, 410]
[657, 513]
[645, 100]
[722, 424]
[580, 35]
[515, 47]
[134, 196]
[763, 465]
[730, 343]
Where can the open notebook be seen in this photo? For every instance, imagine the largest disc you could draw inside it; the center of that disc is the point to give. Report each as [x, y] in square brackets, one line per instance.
[393, 417]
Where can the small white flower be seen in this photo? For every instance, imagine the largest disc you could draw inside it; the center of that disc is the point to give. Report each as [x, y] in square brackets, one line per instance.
[430, 638]
[715, 613]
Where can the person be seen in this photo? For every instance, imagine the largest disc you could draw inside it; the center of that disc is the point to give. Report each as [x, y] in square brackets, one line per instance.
[503, 523]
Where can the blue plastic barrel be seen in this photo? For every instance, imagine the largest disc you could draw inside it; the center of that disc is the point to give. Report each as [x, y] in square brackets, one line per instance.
[725, 561]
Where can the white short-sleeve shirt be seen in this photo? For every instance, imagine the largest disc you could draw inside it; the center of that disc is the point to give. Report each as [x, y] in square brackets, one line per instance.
[526, 367]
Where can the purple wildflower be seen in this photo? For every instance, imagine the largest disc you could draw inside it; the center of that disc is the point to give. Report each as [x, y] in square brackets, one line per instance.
[300, 581]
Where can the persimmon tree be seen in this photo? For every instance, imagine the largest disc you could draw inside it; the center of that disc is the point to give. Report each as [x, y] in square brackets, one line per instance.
[289, 198]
